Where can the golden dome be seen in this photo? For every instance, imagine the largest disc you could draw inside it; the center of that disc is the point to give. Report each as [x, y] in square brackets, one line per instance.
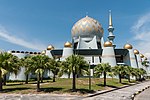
[141, 55]
[145, 58]
[50, 47]
[87, 27]
[68, 44]
[107, 44]
[43, 52]
[136, 51]
[128, 46]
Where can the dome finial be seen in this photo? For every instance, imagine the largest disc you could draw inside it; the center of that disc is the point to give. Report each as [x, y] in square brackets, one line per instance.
[110, 18]
[86, 14]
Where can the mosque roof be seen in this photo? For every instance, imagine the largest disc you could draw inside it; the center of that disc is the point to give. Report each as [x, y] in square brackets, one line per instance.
[87, 27]
[98, 52]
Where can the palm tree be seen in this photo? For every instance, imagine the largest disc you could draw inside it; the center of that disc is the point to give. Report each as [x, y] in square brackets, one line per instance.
[8, 63]
[64, 69]
[102, 68]
[111, 74]
[75, 63]
[54, 66]
[142, 73]
[145, 63]
[38, 65]
[129, 71]
[119, 70]
[26, 62]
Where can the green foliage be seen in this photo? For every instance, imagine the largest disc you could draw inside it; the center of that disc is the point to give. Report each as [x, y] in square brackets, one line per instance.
[38, 65]
[54, 66]
[101, 68]
[76, 65]
[8, 63]
[145, 63]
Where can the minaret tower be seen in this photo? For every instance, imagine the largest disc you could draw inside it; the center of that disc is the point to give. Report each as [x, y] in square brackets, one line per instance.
[111, 29]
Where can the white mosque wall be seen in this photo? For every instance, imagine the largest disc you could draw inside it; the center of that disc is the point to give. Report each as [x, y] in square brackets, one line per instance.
[108, 56]
[89, 45]
[139, 61]
[20, 75]
[126, 60]
[48, 53]
[130, 59]
[67, 51]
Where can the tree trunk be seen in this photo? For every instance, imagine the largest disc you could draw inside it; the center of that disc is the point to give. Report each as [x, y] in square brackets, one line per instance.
[136, 78]
[68, 75]
[74, 82]
[140, 79]
[38, 82]
[104, 78]
[41, 79]
[120, 78]
[27, 76]
[54, 77]
[74, 79]
[129, 78]
[1, 85]
[4, 80]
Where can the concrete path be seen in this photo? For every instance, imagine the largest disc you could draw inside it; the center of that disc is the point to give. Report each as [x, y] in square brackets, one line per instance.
[145, 95]
[119, 94]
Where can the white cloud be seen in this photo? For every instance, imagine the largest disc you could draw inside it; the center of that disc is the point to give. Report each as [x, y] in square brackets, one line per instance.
[141, 30]
[6, 36]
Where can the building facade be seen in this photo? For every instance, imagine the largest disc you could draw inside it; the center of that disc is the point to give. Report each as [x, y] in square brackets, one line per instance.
[88, 41]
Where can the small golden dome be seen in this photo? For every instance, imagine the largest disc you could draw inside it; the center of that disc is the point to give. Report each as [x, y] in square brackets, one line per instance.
[68, 44]
[136, 51]
[145, 58]
[141, 55]
[50, 47]
[43, 52]
[128, 46]
[107, 44]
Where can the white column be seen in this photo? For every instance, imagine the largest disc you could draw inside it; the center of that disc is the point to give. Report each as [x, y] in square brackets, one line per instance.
[108, 56]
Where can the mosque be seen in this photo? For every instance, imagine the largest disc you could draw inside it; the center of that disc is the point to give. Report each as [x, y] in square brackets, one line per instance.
[88, 41]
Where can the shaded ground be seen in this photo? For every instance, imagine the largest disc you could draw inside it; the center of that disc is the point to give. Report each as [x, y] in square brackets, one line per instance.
[63, 86]
[116, 94]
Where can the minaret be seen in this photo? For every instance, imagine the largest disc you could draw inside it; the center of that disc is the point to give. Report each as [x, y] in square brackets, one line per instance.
[111, 29]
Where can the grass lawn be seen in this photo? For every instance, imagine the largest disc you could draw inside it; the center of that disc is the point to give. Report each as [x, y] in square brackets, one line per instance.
[63, 86]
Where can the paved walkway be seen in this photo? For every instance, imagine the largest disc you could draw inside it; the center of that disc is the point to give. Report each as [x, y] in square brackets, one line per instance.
[145, 95]
[36, 97]
[119, 94]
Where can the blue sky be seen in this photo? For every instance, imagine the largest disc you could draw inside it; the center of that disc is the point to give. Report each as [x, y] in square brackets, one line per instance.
[34, 24]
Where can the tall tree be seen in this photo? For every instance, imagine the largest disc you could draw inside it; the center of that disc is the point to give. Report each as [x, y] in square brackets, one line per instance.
[26, 62]
[120, 71]
[8, 63]
[75, 63]
[142, 73]
[129, 71]
[102, 68]
[65, 69]
[54, 66]
[38, 66]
